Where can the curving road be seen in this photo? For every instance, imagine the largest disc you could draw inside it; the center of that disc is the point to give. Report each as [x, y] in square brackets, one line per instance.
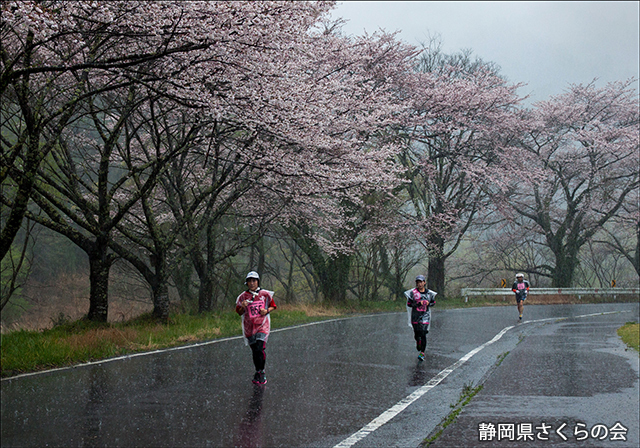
[354, 382]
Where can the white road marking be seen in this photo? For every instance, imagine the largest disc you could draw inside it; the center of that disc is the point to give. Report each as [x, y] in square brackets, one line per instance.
[404, 403]
[215, 341]
[182, 347]
[433, 382]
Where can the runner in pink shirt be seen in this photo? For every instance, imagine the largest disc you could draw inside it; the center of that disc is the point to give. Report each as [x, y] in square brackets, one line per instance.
[521, 288]
[255, 305]
[419, 301]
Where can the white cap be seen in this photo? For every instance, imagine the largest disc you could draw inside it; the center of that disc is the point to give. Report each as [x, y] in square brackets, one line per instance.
[252, 274]
[519, 275]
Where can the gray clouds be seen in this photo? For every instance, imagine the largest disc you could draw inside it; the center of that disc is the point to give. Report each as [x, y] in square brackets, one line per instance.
[546, 45]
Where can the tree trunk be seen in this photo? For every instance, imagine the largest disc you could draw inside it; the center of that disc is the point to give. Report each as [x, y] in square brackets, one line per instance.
[635, 258]
[334, 277]
[182, 279]
[397, 275]
[161, 301]
[205, 294]
[25, 182]
[289, 297]
[436, 275]
[562, 276]
[332, 272]
[398, 285]
[160, 288]
[261, 256]
[99, 267]
[35, 153]
[437, 259]
[203, 270]
[257, 256]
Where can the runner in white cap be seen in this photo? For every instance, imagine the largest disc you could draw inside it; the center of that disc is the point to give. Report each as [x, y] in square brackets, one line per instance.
[419, 303]
[255, 305]
[521, 288]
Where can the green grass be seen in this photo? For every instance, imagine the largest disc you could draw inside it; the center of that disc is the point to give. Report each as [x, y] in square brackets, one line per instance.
[70, 343]
[468, 392]
[630, 334]
[501, 358]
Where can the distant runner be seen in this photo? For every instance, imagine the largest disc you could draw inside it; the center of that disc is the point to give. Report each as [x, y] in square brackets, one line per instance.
[521, 288]
[254, 305]
[419, 303]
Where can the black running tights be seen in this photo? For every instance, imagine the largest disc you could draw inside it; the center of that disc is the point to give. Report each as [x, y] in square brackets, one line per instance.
[421, 339]
[259, 354]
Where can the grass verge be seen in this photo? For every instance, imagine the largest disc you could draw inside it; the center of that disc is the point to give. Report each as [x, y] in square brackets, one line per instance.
[71, 343]
[630, 334]
[468, 392]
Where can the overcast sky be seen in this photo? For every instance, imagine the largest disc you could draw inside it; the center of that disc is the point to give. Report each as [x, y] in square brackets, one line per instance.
[546, 45]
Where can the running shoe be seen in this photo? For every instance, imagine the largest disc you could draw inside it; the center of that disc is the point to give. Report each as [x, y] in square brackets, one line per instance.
[262, 377]
[256, 378]
[421, 356]
[521, 317]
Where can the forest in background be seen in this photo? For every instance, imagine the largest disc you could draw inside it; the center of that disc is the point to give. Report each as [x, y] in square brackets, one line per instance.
[153, 154]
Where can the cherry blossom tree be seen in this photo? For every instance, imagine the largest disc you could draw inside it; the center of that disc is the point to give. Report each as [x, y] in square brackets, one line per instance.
[58, 55]
[192, 211]
[583, 150]
[496, 248]
[83, 185]
[292, 147]
[622, 235]
[290, 111]
[49, 50]
[362, 76]
[462, 124]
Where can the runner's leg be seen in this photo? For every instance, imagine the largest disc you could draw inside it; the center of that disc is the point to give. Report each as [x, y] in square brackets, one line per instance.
[259, 355]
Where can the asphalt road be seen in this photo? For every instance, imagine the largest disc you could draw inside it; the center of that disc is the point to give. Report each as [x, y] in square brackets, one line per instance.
[354, 382]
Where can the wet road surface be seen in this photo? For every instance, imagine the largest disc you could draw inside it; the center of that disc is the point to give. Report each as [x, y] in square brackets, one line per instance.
[329, 380]
[567, 383]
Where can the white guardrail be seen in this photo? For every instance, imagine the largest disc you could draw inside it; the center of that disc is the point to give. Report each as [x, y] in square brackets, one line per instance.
[466, 292]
